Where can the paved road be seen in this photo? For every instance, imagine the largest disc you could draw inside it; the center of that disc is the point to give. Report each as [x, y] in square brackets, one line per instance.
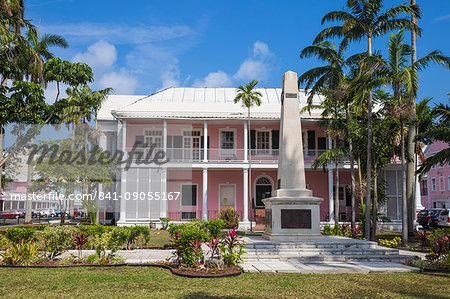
[12, 222]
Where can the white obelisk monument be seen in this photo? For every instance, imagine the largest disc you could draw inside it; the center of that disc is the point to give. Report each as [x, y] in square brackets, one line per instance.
[292, 213]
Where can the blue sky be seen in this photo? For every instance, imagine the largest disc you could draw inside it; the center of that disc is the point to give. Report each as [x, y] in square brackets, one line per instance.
[140, 47]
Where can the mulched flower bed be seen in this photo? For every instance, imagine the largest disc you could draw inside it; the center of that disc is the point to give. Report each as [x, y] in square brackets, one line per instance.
[183, 270]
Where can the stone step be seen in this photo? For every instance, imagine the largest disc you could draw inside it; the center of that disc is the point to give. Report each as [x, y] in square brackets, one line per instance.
[340, 251]
[331, 258]
[312, 246]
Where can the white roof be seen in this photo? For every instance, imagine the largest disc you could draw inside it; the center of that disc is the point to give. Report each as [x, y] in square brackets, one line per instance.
[197, 103]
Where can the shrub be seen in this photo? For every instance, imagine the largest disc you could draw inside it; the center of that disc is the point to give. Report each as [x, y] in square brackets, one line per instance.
[232, 249]
[327, 230]
[93, 230]
[164, 222]
[230, 217]
[22, 253]
[394, 243]
[108, 241]
[95, 259]
[214, 227]
[80, 240]
[183, 235]
[132, 236]
[55, 240]
[18, 234]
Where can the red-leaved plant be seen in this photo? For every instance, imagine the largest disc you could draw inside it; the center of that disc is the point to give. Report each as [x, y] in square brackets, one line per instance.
[214, 247]
[80, 240]
[197, 248]
[232, 248]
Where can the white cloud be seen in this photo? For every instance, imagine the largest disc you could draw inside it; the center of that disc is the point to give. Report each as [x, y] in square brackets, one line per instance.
[261, 49]
[99, 56]
[122, 81]
[258, 66]
[215, 79]
[119, 33]
[171, 75]
[442, 18]
[252, 69]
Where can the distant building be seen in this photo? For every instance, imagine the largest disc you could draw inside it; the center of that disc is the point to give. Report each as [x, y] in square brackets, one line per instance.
[435, 186]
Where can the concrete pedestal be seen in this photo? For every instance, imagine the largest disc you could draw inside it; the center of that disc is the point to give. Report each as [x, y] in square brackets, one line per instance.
[291, 215]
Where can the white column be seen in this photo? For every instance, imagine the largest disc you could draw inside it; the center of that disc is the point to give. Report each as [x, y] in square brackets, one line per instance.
[245, 142]
[330, 185]
[165, 137]
[205, 194]
[123, 175]
[205, 142]
[164, 203]
[419, 205]
[245, 196]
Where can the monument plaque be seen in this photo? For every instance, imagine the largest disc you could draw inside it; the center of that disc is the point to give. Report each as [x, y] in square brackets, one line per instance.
[295, 218]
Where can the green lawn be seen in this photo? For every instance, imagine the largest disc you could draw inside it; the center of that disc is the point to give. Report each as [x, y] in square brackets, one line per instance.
[159, 283]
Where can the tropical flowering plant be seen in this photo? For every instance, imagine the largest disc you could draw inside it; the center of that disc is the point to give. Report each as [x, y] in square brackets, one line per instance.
[80, 240]
[423, 238]
[197, 249]
[214, 247]
[232, 248]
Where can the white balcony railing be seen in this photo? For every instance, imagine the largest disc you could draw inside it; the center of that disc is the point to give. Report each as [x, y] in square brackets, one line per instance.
[193, 155]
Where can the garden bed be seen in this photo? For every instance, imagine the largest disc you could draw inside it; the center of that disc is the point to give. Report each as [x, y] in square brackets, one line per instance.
[183, 270]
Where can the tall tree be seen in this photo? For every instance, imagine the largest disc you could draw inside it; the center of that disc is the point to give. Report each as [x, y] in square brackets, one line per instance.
[364, 19]
[330, 80]
[248, 97]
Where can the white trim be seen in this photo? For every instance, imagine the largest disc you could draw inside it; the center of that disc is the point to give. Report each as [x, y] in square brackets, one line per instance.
[263, 175]
[433, 184]
[263, 129]
[448, 183]
[235, 195]
[233, 150]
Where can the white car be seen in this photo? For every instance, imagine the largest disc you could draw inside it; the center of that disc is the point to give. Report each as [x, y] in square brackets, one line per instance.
[444, 219]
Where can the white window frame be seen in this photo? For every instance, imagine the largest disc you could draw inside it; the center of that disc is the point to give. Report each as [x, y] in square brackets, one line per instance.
[448, 183]
[441, 186]
[235, 195]
[190, 154]
[265, 151]
[272, 184]
[181, 195]
[227, 153]
[441, 165]
[433, 184]
[154, 136]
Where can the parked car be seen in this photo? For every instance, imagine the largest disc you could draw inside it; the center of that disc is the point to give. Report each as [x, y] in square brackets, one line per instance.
[45, 213]
[429, 218]
[33, 214]
[11, 214]
[422, 218]
[444, 219]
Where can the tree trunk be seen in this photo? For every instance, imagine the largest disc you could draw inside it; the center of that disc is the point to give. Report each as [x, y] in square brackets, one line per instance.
[375, 204]
[71, 203]
[28, 202]
[249, 156]
[352, 171]
[369, 152]
[404, 198]
[2, 136]
[336, 192]
[411, 169]
[361, 198]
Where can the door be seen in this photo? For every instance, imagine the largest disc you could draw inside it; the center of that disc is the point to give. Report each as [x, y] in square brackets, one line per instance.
[227, 195]
[262, 191]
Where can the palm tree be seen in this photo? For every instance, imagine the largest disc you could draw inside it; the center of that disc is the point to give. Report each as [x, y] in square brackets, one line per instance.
[364, 19]
[402, 77]
[330, 79]
[248, 97]
[438, 132]
[40, 44]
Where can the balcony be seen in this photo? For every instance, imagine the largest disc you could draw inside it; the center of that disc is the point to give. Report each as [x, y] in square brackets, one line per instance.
[196, 155]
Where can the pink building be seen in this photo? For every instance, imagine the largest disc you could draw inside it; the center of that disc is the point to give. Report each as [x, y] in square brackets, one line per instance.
[435, 186]
[212, 162]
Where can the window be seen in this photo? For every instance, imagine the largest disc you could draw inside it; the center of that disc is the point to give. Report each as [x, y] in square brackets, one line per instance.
[227, 140]
[262, 142]
[448, 182]
[424, 187]
[189, 195]
[433, 166]
[441, 184]
[441, 165]
[227, 195]
[153, 137]
[433, 184]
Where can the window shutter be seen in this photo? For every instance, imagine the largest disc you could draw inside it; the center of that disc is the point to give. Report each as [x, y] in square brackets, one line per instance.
[177, 145]
[322, 143]
[311, 140]
[252, 139]
[139, 141]
[275, 142]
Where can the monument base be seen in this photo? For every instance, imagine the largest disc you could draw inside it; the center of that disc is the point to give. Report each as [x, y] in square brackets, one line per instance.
[292, 214]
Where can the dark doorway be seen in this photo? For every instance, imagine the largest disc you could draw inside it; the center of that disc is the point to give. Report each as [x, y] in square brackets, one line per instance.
[262, 191]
